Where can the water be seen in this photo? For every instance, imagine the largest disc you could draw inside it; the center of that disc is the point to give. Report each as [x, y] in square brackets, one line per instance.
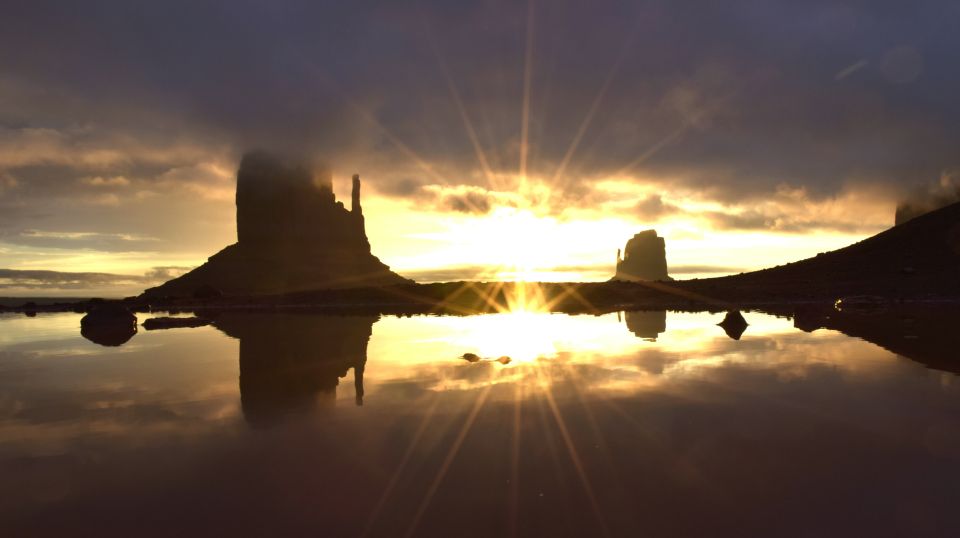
[647, 423]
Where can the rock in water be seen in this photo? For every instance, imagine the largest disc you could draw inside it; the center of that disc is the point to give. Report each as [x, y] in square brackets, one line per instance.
[292, 235]
[645, 258]
[733, 324]
[108, 324]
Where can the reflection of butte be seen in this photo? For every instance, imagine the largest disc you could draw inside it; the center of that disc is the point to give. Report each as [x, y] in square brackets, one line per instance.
[647, 324]
[294, 362]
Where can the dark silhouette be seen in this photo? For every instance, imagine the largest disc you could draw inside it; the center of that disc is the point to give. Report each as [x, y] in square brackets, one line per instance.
[292, 235]
[474, 358]
[158, 323]
[108, 324]
[925, 333]
[207, 292]
[733, 324]
[292, 363]
[916, 259]
[644, 258]
[646, 324]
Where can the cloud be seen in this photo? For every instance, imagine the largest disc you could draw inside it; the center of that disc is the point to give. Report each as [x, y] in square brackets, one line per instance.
[929, 197]
[162, 274]
[818, 96]
[28, 279]
[106, 242]
[469, 202]
[653, 207]
[703, 269]
[404, 187]
[99, 181]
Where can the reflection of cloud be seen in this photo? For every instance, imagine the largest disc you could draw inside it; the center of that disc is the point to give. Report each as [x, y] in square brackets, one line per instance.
[603, 356]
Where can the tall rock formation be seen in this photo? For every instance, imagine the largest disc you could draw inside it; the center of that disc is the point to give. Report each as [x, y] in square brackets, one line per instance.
[644, 258]
[292, 235]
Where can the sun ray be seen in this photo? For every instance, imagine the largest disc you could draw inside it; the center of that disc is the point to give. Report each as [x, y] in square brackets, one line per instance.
[461, 109]
[395, 478]
[558, 181]
[577, 462]
[570, 290]
[448, 460]
[527, 81]
[369, 117]
[674, 135]
[683, 466]
[513, 494]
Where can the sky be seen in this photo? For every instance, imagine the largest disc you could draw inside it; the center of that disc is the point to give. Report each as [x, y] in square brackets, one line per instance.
[489, 134]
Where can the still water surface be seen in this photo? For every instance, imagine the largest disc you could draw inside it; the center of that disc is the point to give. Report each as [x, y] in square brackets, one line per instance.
[643, 423]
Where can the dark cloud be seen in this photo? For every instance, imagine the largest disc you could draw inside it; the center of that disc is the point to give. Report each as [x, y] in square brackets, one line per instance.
[60, 280]
[733, 100]
[402, 188]
[468, 202]
[653, 207]
[103, 242]
[785, 221]
[928, 197]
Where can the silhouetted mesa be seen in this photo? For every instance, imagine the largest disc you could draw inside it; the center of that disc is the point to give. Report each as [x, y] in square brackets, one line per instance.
[644, 258]
[292, 235]
[917, 259]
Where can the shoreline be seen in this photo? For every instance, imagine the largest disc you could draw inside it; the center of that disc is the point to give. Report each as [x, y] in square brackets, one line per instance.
[468, 298]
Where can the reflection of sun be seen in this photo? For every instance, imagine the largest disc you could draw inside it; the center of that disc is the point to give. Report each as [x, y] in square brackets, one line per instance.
[524, 336]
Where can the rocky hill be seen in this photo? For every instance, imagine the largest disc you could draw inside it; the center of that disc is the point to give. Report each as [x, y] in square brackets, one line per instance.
[292, 235]
[918, 258]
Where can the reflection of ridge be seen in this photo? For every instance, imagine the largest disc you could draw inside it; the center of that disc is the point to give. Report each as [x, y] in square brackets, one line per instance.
[926, 334]
[647, 324]
[293, 362]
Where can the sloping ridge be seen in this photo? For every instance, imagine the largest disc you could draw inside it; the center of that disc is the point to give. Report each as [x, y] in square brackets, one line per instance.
[919, 256]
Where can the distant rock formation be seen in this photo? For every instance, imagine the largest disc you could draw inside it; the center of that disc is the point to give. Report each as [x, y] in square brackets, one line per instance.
[647, 324]
[292, 235]
[644, 258]
[291, 364]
